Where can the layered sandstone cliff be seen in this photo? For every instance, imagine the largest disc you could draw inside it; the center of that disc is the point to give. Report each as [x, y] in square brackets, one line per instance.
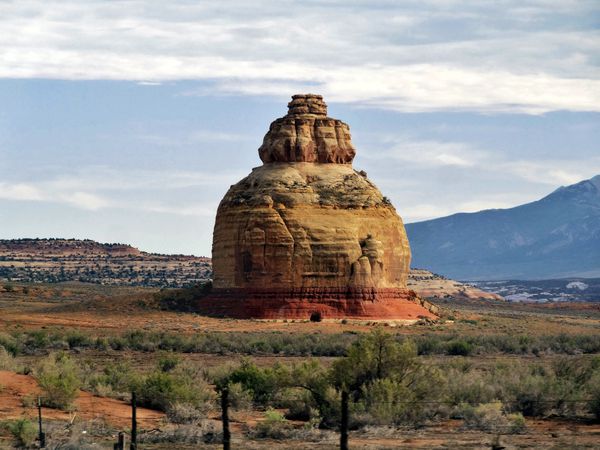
[307, 233]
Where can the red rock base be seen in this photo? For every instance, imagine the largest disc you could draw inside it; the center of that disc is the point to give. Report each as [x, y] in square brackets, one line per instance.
[380, 304]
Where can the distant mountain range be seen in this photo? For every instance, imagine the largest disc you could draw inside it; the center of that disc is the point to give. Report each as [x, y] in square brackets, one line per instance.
[555, 237]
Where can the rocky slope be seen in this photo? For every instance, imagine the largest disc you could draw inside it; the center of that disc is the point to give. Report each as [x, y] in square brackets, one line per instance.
[432, 286]
[555, 237]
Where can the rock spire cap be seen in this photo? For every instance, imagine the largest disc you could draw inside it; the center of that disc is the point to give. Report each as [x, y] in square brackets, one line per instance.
[306, 134]
[307, 104]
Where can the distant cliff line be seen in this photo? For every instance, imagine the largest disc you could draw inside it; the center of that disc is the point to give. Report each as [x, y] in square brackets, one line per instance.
[78, 246]
[87, 261]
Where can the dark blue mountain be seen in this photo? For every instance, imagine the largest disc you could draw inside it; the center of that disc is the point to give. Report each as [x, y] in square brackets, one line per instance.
[557, 236]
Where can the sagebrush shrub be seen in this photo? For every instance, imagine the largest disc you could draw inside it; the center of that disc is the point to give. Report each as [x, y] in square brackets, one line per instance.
[459, 348]
[184, 413]
[274, 426]
[59, 379]
[485, 417]
[7, 361]
[240, 398]
[23, 431]
[182, 386]
[119, 377]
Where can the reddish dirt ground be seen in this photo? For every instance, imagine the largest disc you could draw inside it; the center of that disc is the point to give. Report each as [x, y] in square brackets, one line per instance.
[17, 387]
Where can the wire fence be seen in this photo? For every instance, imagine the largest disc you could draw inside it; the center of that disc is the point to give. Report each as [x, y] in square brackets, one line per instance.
[128, 438]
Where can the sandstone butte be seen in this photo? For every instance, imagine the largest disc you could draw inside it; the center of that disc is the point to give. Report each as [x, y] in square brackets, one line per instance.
[305, 234]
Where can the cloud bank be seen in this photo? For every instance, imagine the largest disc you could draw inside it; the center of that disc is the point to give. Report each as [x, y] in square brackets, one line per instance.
[507, 56]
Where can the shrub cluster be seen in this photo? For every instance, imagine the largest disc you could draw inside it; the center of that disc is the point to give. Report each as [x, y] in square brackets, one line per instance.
[390, 385]
[175, 387]
[278, 343]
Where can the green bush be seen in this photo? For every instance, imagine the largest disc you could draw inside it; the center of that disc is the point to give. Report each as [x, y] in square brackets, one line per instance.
[239, 397]
[485, 417]
[313, 396]
[490, 417]
[459, 348]
[263, 383]
[184, 413]
[385, 401]
[469, 386]
[7, 361]
[178, 388]
[59, 379]
[375, 356]
[77, 338]
[274, 426]
[9, 343]
[159, 390]
[516, 423]
[593, 403]
[168, 362]
[101, 343]
[116, 380]
[36, 340]
[388, 381]
[23, 431]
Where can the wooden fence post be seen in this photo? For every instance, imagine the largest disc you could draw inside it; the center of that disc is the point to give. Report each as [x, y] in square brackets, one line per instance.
[42, 435]
[225, 418]
[120, 445]
[133, 445]
[344, 424]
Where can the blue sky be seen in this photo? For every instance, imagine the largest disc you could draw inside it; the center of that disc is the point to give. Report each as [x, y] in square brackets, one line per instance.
[126, 121]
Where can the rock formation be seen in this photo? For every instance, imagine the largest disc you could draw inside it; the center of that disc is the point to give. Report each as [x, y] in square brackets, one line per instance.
[305, 233]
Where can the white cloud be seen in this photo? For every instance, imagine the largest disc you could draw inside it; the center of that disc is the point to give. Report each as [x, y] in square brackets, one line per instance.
[194, 137]
[102, 178]
[423, 153]
[552, 172]
[194, 210]
[508, 56]
[43, 192]
[19, 191]
[95, 188]
[84, 200]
